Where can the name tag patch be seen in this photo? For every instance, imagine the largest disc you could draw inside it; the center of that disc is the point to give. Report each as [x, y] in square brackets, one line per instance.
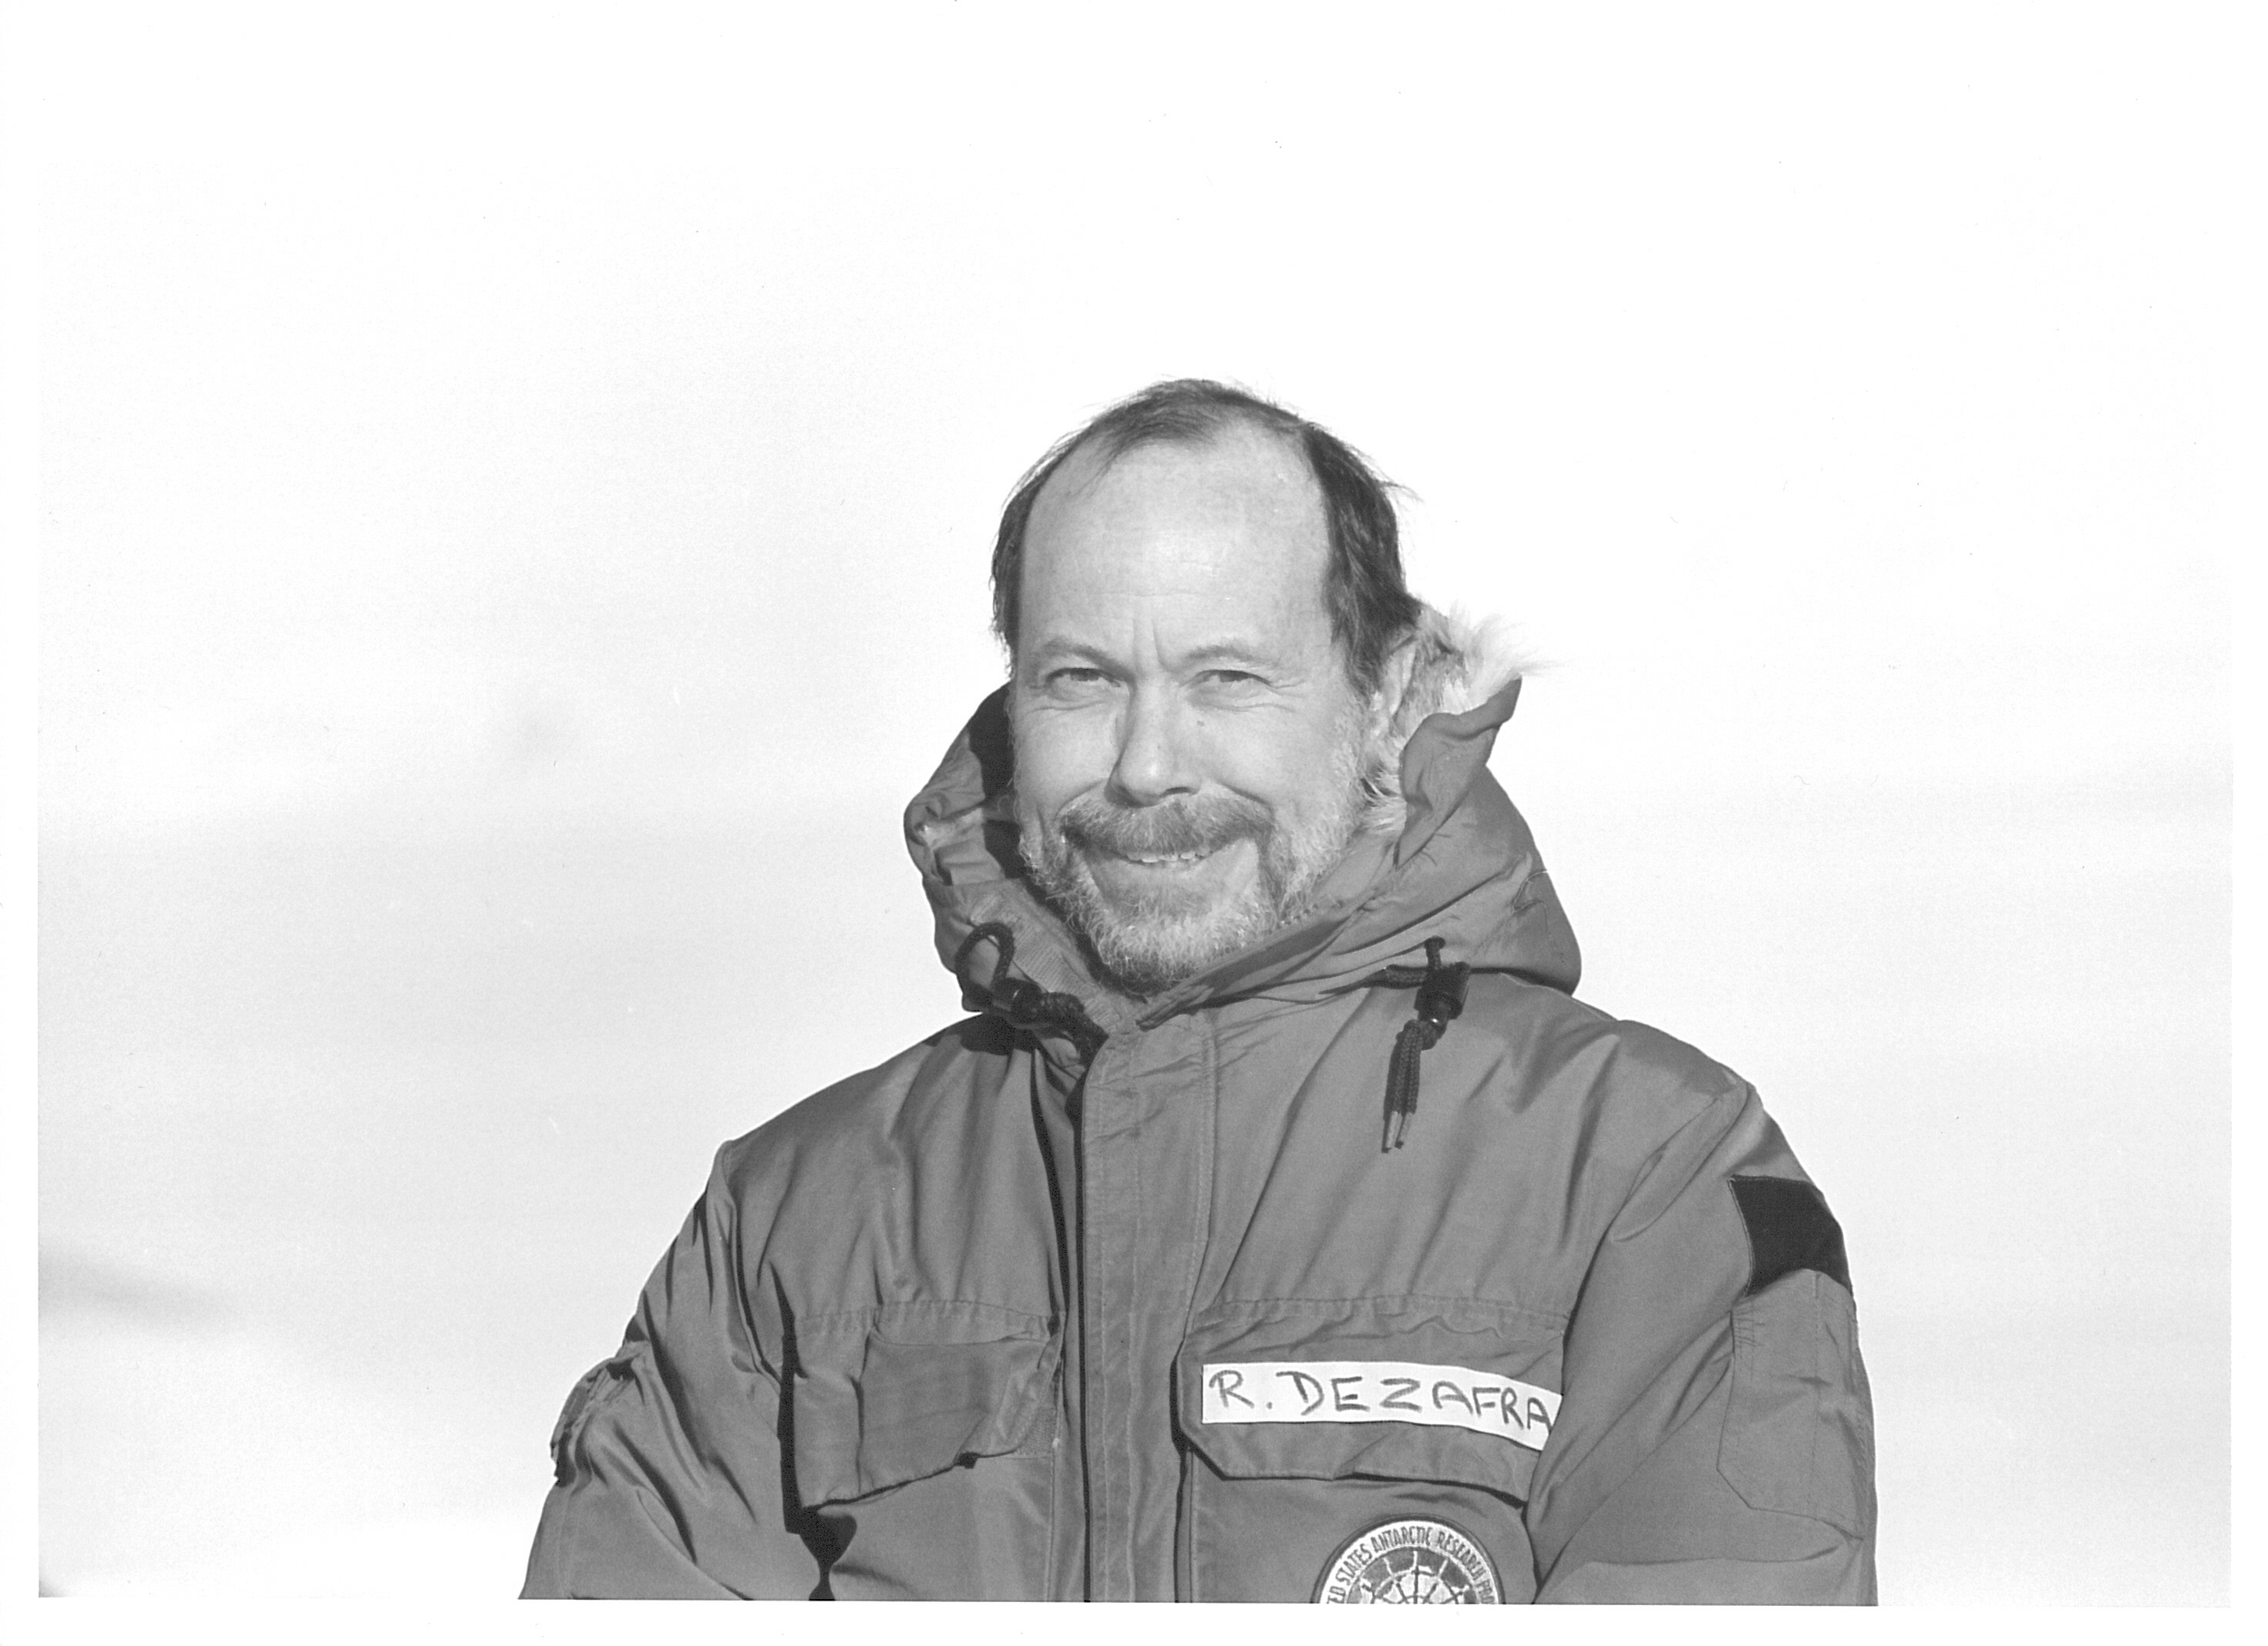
[1378, 1391]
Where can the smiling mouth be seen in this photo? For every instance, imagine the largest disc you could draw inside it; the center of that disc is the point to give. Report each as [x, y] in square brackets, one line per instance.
[1162, 860]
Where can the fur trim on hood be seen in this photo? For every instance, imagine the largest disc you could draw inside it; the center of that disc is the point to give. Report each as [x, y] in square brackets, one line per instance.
[1458, 663]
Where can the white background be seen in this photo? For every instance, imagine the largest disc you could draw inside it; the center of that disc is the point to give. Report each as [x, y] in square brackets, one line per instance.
[515, 491]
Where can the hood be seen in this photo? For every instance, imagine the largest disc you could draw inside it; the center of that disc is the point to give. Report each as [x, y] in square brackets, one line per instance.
[1444, 855]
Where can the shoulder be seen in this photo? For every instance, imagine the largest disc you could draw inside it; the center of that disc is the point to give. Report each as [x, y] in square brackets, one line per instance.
[847, 1199]
[1576, 1042]
[1626, 1086]
[836, 1137]
[884, 1186]
[1655, 1114]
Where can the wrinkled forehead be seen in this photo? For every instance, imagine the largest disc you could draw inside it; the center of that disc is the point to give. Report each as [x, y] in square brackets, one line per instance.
[1236, 485]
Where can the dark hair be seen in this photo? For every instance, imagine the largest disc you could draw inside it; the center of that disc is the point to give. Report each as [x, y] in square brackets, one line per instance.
[1370, 608]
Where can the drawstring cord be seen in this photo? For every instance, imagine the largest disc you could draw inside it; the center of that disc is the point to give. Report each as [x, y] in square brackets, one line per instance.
[1440, 998]
[1022, 1002]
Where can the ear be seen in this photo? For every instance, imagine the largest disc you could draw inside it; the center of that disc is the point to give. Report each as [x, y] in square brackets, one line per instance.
[1386, 699]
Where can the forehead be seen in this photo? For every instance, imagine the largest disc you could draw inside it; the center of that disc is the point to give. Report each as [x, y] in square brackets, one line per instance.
[1241, 506]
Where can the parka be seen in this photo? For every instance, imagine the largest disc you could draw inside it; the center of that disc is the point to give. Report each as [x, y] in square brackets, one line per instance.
[1367, 1265]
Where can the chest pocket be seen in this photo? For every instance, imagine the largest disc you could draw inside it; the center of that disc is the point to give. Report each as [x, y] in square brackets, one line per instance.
[1309, 1426]
[924, 1438]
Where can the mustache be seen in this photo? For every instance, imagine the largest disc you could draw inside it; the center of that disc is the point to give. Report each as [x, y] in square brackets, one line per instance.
[1092, 822]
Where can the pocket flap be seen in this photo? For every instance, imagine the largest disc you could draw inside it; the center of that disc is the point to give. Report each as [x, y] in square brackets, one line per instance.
[1393, 1388]
[908, 1391]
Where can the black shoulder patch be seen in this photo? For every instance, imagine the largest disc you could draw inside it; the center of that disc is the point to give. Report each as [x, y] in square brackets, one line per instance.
[1789, 1229]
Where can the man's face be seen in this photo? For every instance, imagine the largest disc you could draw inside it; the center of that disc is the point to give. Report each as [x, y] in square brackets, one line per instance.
[1188, 747]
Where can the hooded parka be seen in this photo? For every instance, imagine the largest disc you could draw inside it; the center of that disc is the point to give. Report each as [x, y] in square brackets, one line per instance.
[1368, 1265]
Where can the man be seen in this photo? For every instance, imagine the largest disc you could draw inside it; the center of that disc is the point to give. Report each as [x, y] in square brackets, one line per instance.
[1280, 1228]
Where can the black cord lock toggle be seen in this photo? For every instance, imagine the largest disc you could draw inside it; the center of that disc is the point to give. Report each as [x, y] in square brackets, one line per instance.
[1441, 1000]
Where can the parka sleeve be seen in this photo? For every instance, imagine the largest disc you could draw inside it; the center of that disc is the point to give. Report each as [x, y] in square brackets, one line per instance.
[1715, 1439]
[667, 1458]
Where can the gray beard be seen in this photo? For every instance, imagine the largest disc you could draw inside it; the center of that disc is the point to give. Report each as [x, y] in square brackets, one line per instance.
[1146, 945]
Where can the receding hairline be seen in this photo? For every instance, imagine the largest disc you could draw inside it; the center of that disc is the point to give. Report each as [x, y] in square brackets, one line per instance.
[1103, 450]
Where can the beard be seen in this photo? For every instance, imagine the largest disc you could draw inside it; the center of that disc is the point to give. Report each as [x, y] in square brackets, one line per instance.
[1147, 941]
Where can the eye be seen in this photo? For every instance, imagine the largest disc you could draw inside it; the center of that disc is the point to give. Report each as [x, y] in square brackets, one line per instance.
[1073, 683]
[1230, 679]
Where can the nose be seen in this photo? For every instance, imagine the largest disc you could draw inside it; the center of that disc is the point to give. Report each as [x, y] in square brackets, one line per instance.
[1154, 760]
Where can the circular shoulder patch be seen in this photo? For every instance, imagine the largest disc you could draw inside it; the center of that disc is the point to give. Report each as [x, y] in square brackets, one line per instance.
[1410, 1563]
